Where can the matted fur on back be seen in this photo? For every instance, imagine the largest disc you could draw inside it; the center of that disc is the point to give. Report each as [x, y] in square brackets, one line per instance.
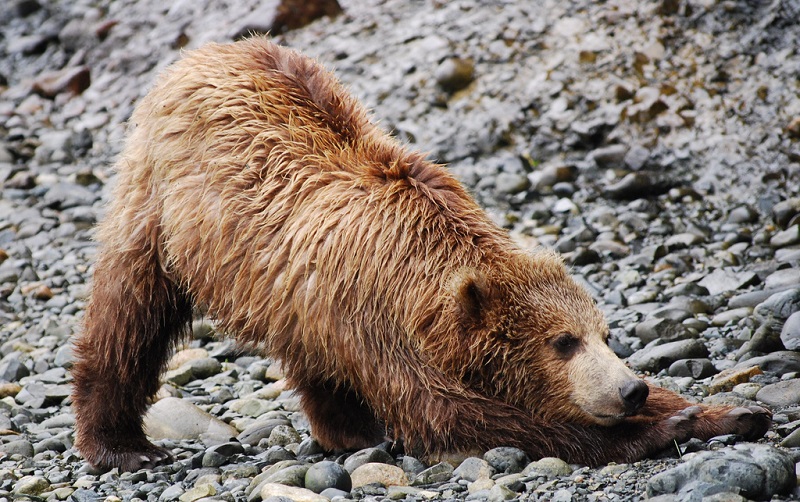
[287, 214]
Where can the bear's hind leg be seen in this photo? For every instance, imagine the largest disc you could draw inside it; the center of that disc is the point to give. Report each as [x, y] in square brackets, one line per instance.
[340, 419]
[134, 317]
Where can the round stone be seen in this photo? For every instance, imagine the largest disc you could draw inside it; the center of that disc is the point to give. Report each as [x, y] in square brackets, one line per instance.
[382, 474]
[506, 459]
[327, 474]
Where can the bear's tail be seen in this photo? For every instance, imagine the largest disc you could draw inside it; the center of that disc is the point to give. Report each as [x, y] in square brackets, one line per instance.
[135, 315]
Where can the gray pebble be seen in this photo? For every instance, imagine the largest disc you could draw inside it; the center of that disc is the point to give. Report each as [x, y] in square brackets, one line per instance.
[412, 466]
[783, 212]
[511, 183]
[20, 447]
[12, 369]
[694, 368]
[260, 429]
[783, 279]
[790, 334]
[326, 474]
[277, 453]
[637, 157]
[473, 468]
[454, 74]
[788, 237]
[506, 459]
[293, 475]
[723, 280]
[779, 363]
[171, 493]
[609, 156]
[780, 394]
[366, 456]
[779, 306]
[759, 471]
[548, 467]
[658, 357]
[220, 454]
[662, 329]
[283, 435]
[438, 473]
[204, 368]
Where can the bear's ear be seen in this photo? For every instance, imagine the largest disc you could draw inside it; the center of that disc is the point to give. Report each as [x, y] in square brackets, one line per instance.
[473, 293]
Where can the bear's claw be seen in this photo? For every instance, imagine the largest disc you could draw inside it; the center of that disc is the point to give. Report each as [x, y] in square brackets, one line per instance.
[751, 422]
[129, 461]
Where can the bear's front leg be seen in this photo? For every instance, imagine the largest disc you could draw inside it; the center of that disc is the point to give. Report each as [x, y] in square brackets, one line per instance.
[666, 419]
[705, 422]
[340, 419]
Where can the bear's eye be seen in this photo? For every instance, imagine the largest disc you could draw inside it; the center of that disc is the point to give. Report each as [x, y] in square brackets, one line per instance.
[566, 344]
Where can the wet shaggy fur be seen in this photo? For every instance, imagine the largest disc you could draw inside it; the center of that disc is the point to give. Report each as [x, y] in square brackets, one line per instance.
[253, 186]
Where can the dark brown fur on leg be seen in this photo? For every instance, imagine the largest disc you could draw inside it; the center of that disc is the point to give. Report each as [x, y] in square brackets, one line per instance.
[340, 419]
[129, 329]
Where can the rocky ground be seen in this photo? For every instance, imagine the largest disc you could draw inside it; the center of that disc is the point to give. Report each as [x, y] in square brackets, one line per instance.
[656, 144]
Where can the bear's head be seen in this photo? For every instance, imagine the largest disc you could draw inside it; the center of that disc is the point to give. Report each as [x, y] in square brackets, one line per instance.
[527, 333]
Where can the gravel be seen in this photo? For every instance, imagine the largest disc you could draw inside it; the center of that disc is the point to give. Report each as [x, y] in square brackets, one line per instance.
[654, 144]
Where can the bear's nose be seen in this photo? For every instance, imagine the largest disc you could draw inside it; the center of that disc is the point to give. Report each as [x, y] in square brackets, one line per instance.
[634, 394]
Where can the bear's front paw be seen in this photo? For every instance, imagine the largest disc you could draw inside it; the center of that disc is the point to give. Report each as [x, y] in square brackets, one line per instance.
[681, 425]
[750, 422]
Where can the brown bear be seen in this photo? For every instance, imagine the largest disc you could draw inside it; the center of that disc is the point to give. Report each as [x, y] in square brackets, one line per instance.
[254, 187]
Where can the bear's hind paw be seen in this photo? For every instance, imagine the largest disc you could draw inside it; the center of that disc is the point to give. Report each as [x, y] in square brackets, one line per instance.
[130, 461]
